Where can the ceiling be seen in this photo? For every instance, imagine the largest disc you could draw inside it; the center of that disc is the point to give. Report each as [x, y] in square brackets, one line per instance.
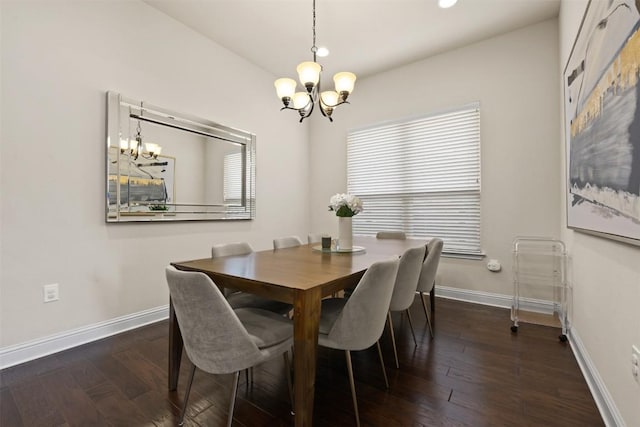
[363, 36]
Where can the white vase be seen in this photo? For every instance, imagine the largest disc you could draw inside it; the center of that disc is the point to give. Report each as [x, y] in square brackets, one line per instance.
[345, 233]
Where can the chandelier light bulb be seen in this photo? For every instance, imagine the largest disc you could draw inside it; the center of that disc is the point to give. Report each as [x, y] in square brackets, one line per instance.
[344, 82]
[153, 149]
[300, 100]
[329, 98]
[309, 74]
[285, 88]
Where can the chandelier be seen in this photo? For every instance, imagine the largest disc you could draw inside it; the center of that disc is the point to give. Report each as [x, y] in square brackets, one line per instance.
[135, 147]
[309, 75]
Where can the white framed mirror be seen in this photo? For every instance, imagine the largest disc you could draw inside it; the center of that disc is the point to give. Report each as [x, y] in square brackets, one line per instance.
[168, 166]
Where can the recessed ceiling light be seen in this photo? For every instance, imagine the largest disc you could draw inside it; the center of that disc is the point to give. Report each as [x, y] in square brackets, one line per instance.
[446, 3]
[322, 52]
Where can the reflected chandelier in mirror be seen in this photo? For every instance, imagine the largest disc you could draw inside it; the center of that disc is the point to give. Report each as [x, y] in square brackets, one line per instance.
[167, 166]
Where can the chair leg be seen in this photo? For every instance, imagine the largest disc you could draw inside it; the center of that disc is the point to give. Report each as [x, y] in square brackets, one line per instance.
[353, 386]
[424, 304]
[415, 341]
[384, 370]
[393, 339]
[186, 395]
[287, 367]
[432, 297]
[426, 313]
[234, 390]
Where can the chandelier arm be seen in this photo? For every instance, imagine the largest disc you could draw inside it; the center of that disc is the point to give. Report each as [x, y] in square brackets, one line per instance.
[312, 100]
[308, 113]
[290, 108]
[139, 147]
[335, 105]
[325, 114]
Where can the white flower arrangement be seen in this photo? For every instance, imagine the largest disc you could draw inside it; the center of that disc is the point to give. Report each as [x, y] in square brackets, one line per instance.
[345, 205]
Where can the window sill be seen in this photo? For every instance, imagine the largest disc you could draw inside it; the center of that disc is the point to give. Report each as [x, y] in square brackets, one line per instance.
[475, 257]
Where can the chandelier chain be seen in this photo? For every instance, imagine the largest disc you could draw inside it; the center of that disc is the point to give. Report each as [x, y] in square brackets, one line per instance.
[138, 128]
[314, 48]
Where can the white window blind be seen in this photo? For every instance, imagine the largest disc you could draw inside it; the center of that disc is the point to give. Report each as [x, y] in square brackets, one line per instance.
[233, 178]
[420, 176]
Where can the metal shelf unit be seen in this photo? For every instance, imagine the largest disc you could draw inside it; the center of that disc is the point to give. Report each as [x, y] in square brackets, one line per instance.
[541, 293]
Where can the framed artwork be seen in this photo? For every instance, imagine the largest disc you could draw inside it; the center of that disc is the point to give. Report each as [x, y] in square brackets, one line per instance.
[147, 186]
[602, 122]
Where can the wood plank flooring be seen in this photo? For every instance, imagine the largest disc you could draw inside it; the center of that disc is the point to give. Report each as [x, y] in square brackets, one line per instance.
[474, 373]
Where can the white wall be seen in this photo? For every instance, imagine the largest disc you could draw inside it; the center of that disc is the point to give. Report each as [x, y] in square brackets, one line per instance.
[514, 76]
[58, 60]
[606, 279]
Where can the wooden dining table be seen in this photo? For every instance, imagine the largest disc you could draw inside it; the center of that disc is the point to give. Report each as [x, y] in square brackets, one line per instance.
[301, 276]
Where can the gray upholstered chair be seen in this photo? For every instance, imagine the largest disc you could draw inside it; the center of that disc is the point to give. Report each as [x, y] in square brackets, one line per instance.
[286, 242]
[427, 281]
[220, 340]
[314, 238]
[239, 299]
[404, 290]
[357, 323]
[230, 249]
[398, 235]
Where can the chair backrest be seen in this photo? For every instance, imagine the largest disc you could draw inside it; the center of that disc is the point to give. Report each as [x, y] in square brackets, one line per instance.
[398, 235]
[409, 269]
[430, 265]
[229, 249]
[361, 322]
[286, 242]
[314, 238]
[214, 338]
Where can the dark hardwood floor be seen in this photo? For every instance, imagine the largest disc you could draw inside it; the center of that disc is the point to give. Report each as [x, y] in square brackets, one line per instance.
[474, 373]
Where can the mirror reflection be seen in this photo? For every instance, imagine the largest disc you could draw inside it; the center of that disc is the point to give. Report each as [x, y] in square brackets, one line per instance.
[165, 166]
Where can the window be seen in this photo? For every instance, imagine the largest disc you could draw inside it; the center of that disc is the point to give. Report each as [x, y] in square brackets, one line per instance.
[420, 176]
[232, 178]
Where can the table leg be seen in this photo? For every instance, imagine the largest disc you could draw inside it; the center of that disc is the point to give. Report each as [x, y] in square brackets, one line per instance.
[175, 348]
[306, 321]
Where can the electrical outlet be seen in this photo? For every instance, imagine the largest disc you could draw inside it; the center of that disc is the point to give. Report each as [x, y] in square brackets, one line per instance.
[50, 293]
[635, 362]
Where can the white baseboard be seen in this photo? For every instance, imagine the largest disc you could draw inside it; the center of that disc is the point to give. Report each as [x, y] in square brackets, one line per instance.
[608, 410]
[477, 297]
[24, 352]
[495, 300]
